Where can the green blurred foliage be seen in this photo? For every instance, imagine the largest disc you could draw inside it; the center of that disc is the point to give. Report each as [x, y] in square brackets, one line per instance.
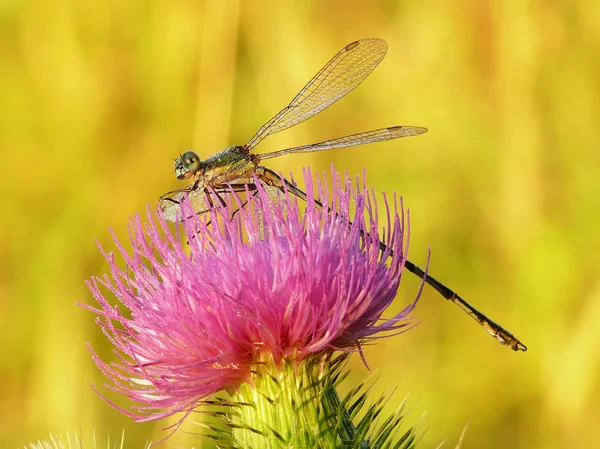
[98, 97]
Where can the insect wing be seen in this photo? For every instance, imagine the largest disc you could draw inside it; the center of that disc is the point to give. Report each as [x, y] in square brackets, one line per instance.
[200, 201]
[377, 135]
[342, 74]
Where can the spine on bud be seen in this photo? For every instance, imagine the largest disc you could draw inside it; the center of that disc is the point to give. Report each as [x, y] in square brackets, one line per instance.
[284, 405]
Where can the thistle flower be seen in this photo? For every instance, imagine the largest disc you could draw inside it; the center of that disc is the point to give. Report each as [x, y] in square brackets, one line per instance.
[254, 305]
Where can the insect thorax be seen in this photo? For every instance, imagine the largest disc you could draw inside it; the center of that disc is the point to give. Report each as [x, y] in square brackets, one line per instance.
[229, 165]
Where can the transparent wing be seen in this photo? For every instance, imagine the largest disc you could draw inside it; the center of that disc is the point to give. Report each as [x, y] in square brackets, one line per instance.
[201, 202]
[378, 135]
[342, 74]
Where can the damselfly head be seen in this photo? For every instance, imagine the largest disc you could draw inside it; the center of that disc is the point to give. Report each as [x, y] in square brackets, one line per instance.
[187, 164]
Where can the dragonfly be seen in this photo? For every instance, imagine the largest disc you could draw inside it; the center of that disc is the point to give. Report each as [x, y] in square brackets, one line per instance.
[236, 168]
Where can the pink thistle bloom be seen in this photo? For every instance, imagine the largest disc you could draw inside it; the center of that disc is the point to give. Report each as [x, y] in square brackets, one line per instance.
[276, 280]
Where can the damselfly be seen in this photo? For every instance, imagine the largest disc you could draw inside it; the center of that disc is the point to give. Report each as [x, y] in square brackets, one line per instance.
[237, 167]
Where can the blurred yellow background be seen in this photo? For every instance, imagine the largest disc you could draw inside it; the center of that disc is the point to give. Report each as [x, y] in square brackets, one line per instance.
[96, 98]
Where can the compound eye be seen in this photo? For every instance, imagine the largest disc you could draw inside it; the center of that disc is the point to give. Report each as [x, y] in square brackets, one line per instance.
[190, 161]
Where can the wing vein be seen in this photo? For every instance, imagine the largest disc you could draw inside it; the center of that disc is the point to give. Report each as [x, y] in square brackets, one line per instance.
[342, 74]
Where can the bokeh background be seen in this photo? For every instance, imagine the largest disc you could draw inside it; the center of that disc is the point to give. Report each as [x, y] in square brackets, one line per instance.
[96, 98]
